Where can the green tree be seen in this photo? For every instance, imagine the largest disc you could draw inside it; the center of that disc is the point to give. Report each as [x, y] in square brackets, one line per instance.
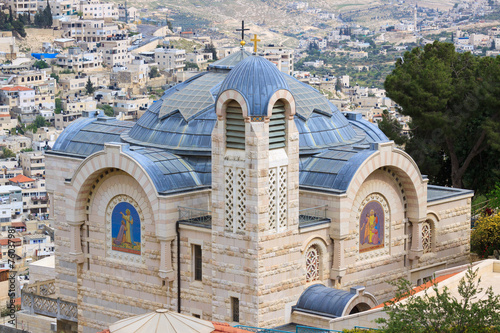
[493, 45]
[89, 87]
[485, 237]
[392, 129]
[41, 64]
[18, 26]
[55, 76]
[210, 48]
[47, 13]
[7, 153]
[169, 25]
[191, 65]
[452, 100]
[39, 122]
[154, 72]
[58, 108]
[108, 110]
[438, 311]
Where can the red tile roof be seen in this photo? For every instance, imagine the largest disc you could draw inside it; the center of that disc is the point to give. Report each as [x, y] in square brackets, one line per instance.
[17, 88]
[18, 224]
[5, 241]
[417, 289]
[225, 328]
[21, 179]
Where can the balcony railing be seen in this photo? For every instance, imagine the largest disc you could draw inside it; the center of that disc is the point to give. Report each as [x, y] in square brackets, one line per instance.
[309, 217]
[42, 288]
[196, 217]
[50, 307]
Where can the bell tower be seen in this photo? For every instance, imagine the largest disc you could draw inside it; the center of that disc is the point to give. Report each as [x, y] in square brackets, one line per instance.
[255, 169]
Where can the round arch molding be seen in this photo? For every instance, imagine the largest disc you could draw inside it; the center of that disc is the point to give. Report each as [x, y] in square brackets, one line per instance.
[92, 167]
[407, 172]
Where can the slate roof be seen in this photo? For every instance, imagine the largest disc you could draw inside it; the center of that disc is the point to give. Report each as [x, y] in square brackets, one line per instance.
[86, 136]
[435, 192]
[323, 301]
[175, 132]
[169, 172]
[334, 168]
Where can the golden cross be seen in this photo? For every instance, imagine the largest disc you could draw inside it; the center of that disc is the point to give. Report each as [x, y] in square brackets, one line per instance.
[255, 40]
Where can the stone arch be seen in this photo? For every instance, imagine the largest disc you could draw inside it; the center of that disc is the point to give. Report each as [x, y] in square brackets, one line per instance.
[287, 98]
[225, 98]
[362, 301]
[92, 167]
[406, 169]
[319, 244]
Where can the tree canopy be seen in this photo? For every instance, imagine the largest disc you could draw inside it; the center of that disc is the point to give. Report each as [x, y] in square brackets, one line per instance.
[439, 311]
[89, 87]
[43, 18]
[453, 101]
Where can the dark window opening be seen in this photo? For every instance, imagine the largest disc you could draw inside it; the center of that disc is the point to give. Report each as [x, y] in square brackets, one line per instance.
[235, 309]
[197, 262]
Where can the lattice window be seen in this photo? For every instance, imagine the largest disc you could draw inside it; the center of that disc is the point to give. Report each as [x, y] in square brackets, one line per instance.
[427, 237]
[312, 264]
[229, 194]
[282, 195]
[273, 204]
[240, 204]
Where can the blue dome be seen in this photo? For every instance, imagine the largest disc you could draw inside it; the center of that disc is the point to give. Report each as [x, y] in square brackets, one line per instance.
[257, 79]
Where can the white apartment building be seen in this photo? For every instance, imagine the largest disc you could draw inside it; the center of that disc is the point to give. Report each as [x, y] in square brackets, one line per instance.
[127, 14]
[89, 30]
[32, 163]
[281, 57]
[200, 59]
[115, 51]
[95, 9]
[23, 6]
[170, 59]
[80, 61]
[79, 104]
[11, 204]
[77, 83]
[19, 99]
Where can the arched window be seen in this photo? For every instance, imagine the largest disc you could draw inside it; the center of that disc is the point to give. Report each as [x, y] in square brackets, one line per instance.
[277, 126]
[312, 264]
[235, 126]
[427, 237]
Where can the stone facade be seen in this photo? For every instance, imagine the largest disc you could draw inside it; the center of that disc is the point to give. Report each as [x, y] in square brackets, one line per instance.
[257, 255]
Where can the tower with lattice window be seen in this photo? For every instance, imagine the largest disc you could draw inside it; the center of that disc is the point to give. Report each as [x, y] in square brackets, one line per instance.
[255, 189]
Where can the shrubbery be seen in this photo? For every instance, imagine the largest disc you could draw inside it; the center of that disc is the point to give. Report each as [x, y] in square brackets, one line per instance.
[485, 237]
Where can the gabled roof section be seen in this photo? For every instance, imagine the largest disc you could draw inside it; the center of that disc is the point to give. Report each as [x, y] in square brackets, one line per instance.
[86, 136]
[17, 88]
[333, 169]
[193, 96]
[169, 172]
[373, 133]
[231, 60]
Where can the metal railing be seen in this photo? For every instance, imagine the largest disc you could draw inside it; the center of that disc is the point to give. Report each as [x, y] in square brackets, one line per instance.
[311, 216]
[307, 329]
[194, 216]
[259, 329]
[367, 328]
[50, 307]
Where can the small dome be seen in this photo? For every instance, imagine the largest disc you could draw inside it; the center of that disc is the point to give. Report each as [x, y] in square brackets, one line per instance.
[257, 79]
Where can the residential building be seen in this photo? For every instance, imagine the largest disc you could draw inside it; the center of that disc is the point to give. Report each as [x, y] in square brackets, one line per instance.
[358, 55]
[135, 74]
[127, 14]
[88, 30]
[8, 45]
[200, 59]
[115, 51]
[79, 104]
[171, 60]
[19, 99]
[131, 108]
[77, 83]
[16, 143]
[32, 163]
[22, 6]
[11, 205]
[97, 10]
[35, 198]
[7, 122]
[80, 61]
[281, 57]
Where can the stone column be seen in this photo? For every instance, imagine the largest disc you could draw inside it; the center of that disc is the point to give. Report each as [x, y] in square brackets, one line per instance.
[416, 249]
[338, 265]
[166, 271]
[76, 241]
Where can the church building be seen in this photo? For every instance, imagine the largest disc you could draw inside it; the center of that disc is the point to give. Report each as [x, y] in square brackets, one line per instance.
[243, 196]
